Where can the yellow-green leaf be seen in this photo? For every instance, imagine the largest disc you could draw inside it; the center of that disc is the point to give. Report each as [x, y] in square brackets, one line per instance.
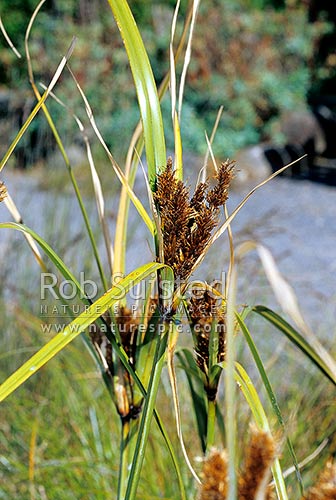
[76, 327]
[253, 400]
[148, 99]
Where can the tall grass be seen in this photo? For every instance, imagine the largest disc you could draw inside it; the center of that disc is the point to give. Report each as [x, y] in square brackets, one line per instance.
[152, 318]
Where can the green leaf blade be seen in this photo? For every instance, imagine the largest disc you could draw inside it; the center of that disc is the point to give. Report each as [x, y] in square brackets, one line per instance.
[253, 400]
[77, 326]
[148, 99]
[270, 393]
[297, 339]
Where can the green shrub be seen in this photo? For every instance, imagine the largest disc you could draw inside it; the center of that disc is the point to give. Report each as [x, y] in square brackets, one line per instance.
[253, 61]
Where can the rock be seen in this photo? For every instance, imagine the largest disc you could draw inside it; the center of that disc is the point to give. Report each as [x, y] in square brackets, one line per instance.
[76, 154]
[300, 127]
[4, 103]
[252, 166]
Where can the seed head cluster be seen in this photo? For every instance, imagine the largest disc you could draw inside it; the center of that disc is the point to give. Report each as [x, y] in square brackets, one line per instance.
[125, 324]
[128, 330]
[325, 488]
[260, 454]
[214, 476]
[253, 478]
[187, 223]
[207, 316]
[259, 457]
[3, 191]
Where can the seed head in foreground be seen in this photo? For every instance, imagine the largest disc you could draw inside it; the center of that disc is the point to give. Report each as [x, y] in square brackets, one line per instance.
[259, 456]
[325, 488]
[214, 477]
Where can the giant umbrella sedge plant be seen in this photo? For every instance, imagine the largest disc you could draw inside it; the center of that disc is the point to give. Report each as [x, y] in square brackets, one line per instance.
[132, 345]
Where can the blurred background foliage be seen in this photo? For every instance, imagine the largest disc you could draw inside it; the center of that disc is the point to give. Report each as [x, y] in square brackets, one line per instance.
[257, 58]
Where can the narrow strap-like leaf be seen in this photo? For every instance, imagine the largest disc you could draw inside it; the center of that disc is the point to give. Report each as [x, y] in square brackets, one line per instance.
[253, 400]
[77, 326]
[270, 393]
[149, 103]
[147, 413]
[196, 389]
[296, 338]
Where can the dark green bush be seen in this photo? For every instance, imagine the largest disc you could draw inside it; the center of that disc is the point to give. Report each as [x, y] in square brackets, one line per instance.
[254, 61]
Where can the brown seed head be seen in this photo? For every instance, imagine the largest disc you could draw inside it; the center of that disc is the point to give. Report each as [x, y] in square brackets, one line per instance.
[172, 199]
[127, 325]
[207, 316]
[187, 224]
[259, 456]
[220, 193]
[3, 191]
[214, 476]
[128, 330]
[325, 488]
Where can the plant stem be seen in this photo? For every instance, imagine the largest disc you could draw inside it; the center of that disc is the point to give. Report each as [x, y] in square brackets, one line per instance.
[211, 424]
[127, 446]
[230, 389]
[123, 462]
[147, 414]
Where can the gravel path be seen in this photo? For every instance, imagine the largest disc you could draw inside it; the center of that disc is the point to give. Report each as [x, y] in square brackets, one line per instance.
[298, 226]
[295, 219]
